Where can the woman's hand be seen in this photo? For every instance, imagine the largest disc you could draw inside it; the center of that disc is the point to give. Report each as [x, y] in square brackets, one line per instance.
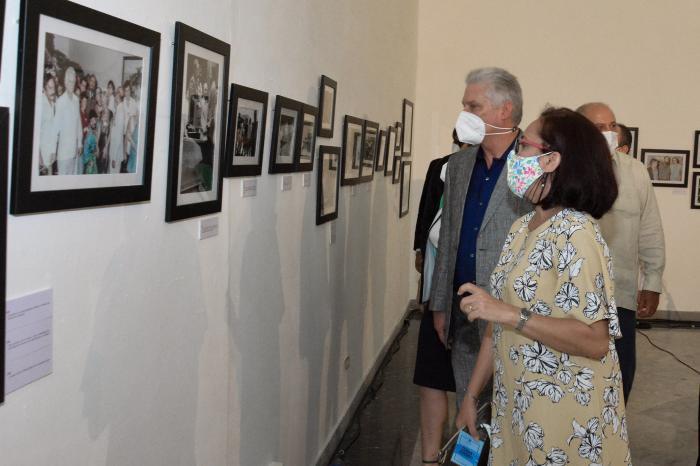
[481, 305]
[466, 417]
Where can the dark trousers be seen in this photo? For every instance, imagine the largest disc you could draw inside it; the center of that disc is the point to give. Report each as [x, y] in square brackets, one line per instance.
[626, 348]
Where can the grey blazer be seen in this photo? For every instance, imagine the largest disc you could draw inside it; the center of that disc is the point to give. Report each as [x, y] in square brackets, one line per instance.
[504, 208]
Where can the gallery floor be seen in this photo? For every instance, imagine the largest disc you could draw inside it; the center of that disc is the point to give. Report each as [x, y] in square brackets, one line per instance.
[663, 409]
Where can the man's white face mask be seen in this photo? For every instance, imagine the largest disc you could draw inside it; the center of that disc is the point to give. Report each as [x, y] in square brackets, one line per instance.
[611, 139]
[471, 129]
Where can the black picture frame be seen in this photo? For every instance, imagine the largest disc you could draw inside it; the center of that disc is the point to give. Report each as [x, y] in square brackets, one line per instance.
[668, 177]
[353, 131]
[247, 119]
[4, 138]
[695, 192]
[197, 146]
[326, 107]
[56, 136]
[370, 144]
[405, 194]
[389, 151]
[381, 152]
[283, 146]
[399, 136]
[634, 146]
[407, 124]
[328, 157]
[2, 26]
[306, 139]
[696, 150]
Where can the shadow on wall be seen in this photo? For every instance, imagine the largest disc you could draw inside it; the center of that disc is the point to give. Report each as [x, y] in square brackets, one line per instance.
[255, 333]
[141, 375]
[378, 260]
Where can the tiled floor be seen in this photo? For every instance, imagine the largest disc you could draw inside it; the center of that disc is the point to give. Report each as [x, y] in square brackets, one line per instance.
[662, 410]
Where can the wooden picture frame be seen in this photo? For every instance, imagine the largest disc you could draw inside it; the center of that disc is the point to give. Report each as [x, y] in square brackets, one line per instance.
[198, 125]
[667, 167]
[306, 139]
[353, 130]
[328, 184]
[389, 151]
[326, 107]
[370, 144]
[65, 158]
[405, 195]
[407, 124]
[285, 130]
[245, 136]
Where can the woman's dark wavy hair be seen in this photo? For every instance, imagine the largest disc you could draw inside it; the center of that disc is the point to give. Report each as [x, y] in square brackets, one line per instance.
[584, 179]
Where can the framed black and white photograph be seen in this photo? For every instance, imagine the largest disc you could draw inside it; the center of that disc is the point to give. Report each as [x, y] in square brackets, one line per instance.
[245, 137]
[399, 136]
[695, 192]
[198, 125]
[396, 164]
[328, 186]
[381, 151]
[405, 188]
[407, 124]
[288, 112]
[389, 151]
[634, 145]
[352, 150]
[326, 107]
[4, 138]
[696, 150]
[370, 143]
[667, 167]
[306, 138]
[83, 133]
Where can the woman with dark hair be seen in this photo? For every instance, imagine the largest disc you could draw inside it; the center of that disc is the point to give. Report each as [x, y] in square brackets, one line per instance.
[552, 319]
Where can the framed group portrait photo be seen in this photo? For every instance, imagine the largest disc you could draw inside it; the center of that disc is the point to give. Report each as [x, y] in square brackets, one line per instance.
[198, 125]
[245, 138]
[667, 167]
[85, 109]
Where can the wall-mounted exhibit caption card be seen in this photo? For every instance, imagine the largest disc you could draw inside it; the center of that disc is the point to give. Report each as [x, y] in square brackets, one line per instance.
[29, 339]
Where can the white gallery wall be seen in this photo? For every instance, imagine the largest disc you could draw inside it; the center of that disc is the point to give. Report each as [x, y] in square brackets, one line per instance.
[643, 58]
[174, 351]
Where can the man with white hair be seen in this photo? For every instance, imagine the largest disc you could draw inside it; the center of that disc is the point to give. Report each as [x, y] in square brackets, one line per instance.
[635, 236]
[68, 127]
[478, 210]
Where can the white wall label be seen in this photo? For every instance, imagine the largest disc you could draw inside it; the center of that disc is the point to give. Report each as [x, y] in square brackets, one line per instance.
[249, 187]
[29, 339]
[208, 227]
[286, 182]
[306, 180]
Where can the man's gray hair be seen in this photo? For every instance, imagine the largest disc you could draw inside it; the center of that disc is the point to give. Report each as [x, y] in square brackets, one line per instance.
[502, 86]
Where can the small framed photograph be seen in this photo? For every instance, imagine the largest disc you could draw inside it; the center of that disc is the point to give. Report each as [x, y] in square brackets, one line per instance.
[245, 137]
[667, 167]
[635, 141]
[405, 188]
[396, 165]
[306, 138]
[696, 150]
[288, 112]
[399, 136]
[326, 107]
[328, 187]
[4, 138]
[695, 192]
[198, 126]
[389, 151]
[407, 123]
[85, 111]
[370, 144]
[381, 152]
[352, 151]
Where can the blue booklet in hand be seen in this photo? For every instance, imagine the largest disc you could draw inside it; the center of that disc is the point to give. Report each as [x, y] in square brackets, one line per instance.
[467, 451]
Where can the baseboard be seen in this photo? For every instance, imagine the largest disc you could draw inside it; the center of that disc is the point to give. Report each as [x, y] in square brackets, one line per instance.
[327, 453]
[677, 315]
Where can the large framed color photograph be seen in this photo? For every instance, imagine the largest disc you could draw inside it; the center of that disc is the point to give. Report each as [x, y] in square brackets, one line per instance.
[83, 129]
[245, 138]
[198, 125]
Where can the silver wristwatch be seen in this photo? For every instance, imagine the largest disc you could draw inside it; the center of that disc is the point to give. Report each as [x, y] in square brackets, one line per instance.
[524, 316]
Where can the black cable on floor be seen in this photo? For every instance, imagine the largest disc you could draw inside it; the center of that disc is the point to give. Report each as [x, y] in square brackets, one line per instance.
[668, 352]
[369, 396]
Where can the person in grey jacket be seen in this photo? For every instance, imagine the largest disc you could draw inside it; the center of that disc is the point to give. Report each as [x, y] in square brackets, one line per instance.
[478, 210]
